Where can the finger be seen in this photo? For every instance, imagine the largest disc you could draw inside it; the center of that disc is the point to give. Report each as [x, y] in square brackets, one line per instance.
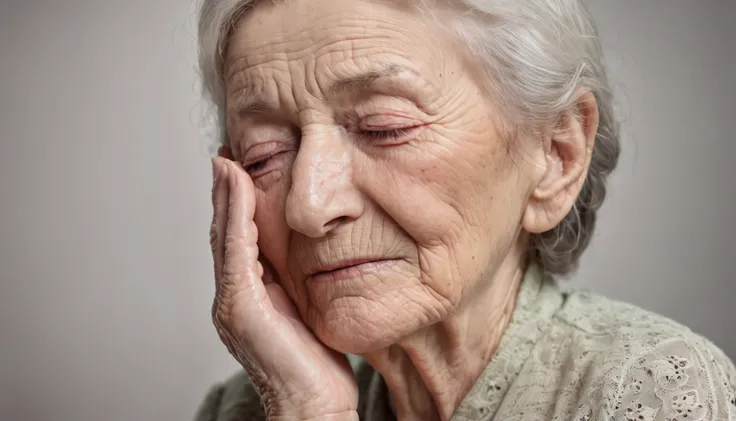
[247, 191]
[225, 152]
[241, 283]
[215, 185]
[220, 195]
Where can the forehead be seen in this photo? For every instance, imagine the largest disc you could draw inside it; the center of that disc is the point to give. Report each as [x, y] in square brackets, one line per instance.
[316, 34]
[308, 20]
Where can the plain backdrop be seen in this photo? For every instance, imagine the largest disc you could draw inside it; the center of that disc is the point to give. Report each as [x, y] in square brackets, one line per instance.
[105, 270]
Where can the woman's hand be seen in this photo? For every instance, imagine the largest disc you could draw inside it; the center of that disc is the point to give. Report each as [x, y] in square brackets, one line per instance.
[296, 376]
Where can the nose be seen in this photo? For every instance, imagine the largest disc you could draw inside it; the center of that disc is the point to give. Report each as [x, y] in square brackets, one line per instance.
[322, 195]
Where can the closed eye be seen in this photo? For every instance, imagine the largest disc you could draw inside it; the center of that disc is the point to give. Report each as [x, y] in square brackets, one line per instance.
[265, 165]
[256, 166]
[393, 135]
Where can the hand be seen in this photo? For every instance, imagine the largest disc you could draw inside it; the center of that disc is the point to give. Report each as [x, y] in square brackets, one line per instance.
[296, 376]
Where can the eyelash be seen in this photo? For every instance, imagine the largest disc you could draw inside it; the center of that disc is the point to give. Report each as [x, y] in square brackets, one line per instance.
[370, 135]
[379, 135]
[259, 165]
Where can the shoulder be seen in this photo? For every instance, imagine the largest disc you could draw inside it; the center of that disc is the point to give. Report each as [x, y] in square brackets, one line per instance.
[679, 377]
[644, 366]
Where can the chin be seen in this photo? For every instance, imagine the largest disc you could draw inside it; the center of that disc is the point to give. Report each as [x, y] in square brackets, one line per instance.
[370, 311]
[353, 344]
[359, 330]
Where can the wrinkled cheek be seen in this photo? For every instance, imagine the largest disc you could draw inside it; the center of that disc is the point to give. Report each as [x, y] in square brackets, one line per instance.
[439, 271]
[273, 231]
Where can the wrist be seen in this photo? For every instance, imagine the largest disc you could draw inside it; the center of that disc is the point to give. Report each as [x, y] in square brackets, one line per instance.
[342, 416]
[300, 408]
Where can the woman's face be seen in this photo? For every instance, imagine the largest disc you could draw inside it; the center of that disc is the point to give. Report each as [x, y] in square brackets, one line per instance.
[386, 190]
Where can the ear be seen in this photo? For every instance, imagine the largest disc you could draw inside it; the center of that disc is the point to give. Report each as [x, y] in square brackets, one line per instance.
[568, 153]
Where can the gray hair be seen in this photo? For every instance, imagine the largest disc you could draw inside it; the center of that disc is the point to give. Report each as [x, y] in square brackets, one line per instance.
[537, 55]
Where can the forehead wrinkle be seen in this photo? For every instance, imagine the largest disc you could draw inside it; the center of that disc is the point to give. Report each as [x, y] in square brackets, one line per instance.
[359, 66]
[328, 30]
[272, 49]
[256, 86]
[246, 64]
[330, 44]
[255, 77]
[363, 53]
[370, 77]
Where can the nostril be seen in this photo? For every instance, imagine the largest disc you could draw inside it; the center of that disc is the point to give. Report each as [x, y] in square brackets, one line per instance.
[341, 219]
[335, 223]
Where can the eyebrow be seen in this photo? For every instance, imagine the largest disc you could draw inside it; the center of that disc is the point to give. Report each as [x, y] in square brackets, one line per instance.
[371, 80]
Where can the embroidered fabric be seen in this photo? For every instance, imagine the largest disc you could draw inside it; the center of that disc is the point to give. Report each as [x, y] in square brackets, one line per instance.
[564, 357]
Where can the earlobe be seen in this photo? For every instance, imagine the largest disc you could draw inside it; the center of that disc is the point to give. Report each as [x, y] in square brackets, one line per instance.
[572, 142]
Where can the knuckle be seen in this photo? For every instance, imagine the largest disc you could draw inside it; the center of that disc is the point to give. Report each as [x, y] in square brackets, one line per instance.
[221, 313]
[234, 240]
[224, 325]
[234, 249]
[232, 274]
[213, 234]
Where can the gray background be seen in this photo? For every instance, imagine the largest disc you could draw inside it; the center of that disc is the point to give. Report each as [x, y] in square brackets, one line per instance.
[105, 269]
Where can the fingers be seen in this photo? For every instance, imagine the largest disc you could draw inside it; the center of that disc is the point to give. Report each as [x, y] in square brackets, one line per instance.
[241, 249]
[220, 199]
[242, 187]
[240, 293]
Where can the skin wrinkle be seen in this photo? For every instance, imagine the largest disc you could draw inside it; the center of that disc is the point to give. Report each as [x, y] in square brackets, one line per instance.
[447, 204]
[300, 53]
[273, 45]
[256, 105]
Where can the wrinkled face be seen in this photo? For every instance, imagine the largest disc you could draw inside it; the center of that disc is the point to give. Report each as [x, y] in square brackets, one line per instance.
[386, 194]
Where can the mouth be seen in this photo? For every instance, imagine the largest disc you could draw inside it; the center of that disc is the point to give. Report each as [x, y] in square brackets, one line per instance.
[349, 269]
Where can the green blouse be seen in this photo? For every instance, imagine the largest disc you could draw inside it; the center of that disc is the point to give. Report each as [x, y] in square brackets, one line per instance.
[567, 356]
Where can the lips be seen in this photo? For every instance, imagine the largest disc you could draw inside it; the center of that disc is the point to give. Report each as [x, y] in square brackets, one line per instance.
[349, 269]
[345, 264]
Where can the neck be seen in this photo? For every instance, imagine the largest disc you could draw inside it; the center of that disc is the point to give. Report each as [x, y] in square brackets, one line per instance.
[429, 373]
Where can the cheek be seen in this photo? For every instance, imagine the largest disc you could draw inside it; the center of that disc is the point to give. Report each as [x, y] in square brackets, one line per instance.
[437, 187]
[454, 199]
[410, 202]
[271, 190]
[273, 232]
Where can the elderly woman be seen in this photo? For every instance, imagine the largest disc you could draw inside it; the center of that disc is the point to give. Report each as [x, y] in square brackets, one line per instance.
[401, 181]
